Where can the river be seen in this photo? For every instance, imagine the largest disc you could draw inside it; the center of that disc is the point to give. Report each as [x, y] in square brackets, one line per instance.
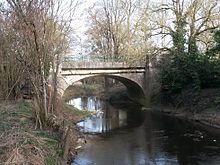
[126, 135]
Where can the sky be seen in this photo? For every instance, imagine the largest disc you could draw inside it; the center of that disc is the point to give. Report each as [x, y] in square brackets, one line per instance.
[80, 26]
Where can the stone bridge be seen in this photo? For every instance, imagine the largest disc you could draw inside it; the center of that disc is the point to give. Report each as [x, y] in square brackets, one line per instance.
[132, 77]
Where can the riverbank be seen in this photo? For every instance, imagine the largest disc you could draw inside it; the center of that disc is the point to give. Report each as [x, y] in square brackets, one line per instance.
[206, 118]
[202, 107]
[72, 139]
[22, 143]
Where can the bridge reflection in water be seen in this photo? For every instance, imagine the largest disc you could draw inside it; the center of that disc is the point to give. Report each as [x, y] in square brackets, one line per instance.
[105, 117]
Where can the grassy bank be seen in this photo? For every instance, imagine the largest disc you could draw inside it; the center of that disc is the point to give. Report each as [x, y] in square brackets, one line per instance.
[21, 143]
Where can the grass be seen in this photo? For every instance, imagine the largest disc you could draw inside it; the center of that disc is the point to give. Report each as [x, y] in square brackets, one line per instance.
[10, 117]
[54, 151]
[20, 143]
[76, 112]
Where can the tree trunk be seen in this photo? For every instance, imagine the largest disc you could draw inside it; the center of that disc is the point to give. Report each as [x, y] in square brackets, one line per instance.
[147, 80]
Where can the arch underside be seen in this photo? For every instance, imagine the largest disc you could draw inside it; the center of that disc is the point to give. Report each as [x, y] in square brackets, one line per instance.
[134, 90]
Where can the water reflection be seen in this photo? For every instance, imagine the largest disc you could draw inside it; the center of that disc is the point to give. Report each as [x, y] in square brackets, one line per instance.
[105, 117]
[87, 103]
[160, 140]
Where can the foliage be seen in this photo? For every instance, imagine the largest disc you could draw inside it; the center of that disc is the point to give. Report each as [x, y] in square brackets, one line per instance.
[214, 52]
[192, 61]
[191, 69]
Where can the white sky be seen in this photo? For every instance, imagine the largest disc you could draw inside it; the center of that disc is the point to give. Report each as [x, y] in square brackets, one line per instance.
[80, 25]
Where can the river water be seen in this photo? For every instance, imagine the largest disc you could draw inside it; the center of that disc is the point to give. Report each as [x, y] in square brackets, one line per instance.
[126, 135]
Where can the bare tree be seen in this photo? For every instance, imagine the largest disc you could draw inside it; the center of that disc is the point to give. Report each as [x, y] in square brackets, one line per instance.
[187, 21]
[41, 33]
[114, 25]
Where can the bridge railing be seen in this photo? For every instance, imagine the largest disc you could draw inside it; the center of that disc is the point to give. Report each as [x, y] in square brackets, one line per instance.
[86, 64]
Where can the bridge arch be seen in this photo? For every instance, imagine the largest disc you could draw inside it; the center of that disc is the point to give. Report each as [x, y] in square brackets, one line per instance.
[134, 88]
